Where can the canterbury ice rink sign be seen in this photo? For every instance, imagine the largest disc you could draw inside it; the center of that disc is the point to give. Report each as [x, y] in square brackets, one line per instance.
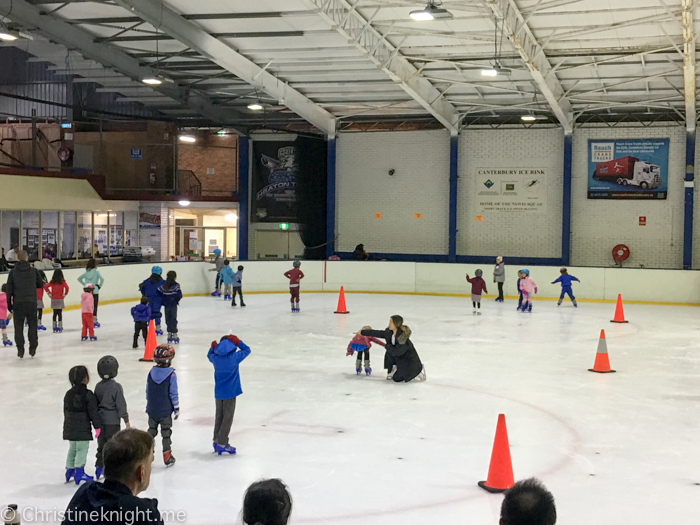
[511, 190]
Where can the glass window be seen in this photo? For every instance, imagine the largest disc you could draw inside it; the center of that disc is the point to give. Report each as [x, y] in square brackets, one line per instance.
[9, 231]
[67, 234]
[31, 236]
[49, 234]
[100, 240]
[131, 228]
[116, 233]
[85, 245]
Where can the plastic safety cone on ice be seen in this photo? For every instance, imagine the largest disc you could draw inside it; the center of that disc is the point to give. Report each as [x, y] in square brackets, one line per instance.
[619, 312]
[341, 303]
[500, 477]
[151, 342]
[602, 363]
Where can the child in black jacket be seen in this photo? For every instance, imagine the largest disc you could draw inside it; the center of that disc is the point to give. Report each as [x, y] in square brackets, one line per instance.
[79, 410]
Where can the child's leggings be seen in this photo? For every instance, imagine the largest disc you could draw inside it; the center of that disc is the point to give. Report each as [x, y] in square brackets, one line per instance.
[39, 313]
[77, 454]
[294, 292]
[58, 316]
[88, 325]
[567, 291]
[364, 353]
[527, 298]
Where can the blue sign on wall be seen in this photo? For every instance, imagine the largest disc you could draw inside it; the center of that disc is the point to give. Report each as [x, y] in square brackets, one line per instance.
[136, 154]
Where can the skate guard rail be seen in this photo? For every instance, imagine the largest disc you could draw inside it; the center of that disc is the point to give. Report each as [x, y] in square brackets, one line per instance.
[597, 284]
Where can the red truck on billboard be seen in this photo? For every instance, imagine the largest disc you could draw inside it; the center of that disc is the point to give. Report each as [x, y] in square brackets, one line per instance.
[629, 171]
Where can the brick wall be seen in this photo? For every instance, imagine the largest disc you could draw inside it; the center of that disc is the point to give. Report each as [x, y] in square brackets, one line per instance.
[420, 184]
[214, 160]
[522, 234]
[598, 225]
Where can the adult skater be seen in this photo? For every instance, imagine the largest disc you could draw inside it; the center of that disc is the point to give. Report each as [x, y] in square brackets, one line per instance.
[499, 277]
[22, 284]
[149, 288]
[401, 358]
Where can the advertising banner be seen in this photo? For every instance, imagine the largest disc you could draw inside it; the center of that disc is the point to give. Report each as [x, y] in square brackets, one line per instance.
[628, 169]
[148, 221]
[510, 190]
[274, 184]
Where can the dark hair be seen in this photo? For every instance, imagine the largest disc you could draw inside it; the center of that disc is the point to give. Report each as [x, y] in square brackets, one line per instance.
[154, 278]
[77, 374]
[57, 277]
[398, 320]
[267, 502]
[42, 273]
[124, 451]
[3, 288]
[240, 268]
[170, 280]
[528, 502]
[144, 299]
[91, 264]
[227, 262]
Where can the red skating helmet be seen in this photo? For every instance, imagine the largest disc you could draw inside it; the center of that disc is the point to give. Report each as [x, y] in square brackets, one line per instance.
[163, 354]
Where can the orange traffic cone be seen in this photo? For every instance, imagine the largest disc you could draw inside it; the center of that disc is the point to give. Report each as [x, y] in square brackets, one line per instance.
[619, 313]
[602, 363]
[341, 303]
[151, 343]
[500, 476]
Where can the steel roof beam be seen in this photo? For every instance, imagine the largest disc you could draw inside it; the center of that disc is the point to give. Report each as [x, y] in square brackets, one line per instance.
[689, 64]
[73, 37]
[346, 20]
[165, 19]
[521, 37]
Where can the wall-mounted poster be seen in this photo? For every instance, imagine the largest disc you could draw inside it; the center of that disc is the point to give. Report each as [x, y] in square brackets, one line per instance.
[628, 169]
[511, 190]
[275, 170]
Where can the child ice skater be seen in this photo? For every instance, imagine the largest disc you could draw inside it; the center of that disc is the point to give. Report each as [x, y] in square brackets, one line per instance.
[111, 406]
[478, 285]
[295, 275]
[162, 400]
[40, 302]
[520, 278]
[142, 315]
[170, 295]
[4, 318]
[565, 279]
[93, 276]
[528, 288]
[361, 344]
[226, 355]
[218, 263]
[237, 286]
[87, 303]
[79, 412]
[57, 290]
[149, 288]
[226, 276]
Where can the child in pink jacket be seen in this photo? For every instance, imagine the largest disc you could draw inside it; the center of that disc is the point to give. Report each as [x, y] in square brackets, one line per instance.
[361, 344]
[529, 288]
[88, 305]
[3, 317]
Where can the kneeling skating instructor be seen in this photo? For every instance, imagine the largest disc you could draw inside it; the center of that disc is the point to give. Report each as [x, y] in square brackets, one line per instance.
[401, 358]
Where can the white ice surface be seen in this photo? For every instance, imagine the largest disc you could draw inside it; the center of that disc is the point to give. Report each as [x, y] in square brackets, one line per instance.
[616, 448]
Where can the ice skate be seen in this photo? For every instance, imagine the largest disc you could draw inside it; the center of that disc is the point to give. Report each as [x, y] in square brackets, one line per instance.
[6, 342]
[83, 338]
[81, 476]
[390, 375]
[176, 338]
[227, 297]
[55, 328]
[93, 338]
[168, 458]
[575, 304]
[70, 474]
[242, 304]
[216, 293]
[478, 312]
[98, 472]
[233, 303]
[41, 327]
[368, 369]
[96, 323]
[170, 337]
[159, 330]
[422, 376]
[228, 449]
[358, 367]
[60, 327]
[559, 302]
[529, 308]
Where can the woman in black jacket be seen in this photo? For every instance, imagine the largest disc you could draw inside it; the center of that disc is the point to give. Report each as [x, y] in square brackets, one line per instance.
[79, 411]
[360, 254]
[401, 358]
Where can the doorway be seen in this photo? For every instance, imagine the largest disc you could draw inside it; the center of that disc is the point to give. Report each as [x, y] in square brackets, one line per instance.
[278, 245]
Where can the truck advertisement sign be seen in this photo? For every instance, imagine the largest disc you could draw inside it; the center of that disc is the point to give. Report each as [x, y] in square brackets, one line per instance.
[628, 169]
[511, 190]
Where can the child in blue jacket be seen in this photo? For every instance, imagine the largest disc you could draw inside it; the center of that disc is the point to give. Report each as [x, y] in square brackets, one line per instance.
[149, 288]
[141, 314]
[226, 275]
[565, 279]
[226, 355]
[170, 295]
[163, 399]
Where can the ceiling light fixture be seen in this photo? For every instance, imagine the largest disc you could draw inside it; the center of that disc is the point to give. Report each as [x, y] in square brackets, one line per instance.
[255, 106]
[231, 217]
[490, 72]
[8, 35]
[528, 118]
[431, 12]
[152, 81]
[187, 138]
[184, 203]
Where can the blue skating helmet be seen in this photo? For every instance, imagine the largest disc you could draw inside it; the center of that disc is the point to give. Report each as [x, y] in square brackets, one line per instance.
[217, 252]
[157, 270]
[525, 271]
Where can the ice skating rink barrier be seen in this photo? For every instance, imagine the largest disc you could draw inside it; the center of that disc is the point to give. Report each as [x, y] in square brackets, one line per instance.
[597, 284]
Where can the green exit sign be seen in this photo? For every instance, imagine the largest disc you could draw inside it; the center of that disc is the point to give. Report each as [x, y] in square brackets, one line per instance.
[284, 225]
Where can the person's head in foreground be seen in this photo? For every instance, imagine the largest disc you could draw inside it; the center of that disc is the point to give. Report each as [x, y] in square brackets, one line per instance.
[267, 502]
[528, 502]
[128, 456]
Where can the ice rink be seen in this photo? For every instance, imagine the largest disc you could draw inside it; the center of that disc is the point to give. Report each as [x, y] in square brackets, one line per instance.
[614, 448]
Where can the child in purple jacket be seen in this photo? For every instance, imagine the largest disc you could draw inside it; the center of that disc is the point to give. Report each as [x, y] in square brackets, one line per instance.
[478, 285]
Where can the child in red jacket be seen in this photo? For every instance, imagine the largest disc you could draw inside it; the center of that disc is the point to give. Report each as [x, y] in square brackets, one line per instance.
[57, 290]
[295, 275]
[361, 344]
[478, 285]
